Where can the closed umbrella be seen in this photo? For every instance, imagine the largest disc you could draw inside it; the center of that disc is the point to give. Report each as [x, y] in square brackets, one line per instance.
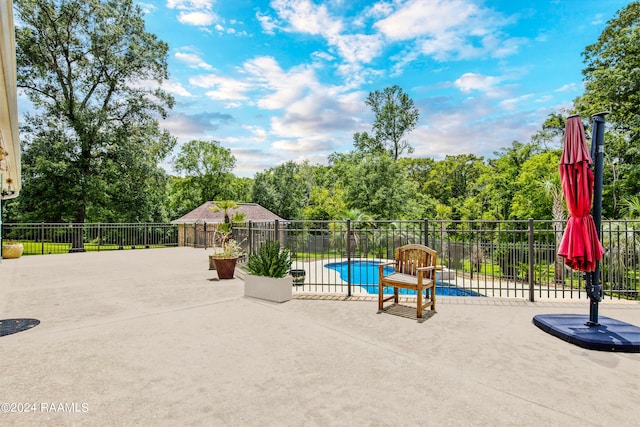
[580, 244]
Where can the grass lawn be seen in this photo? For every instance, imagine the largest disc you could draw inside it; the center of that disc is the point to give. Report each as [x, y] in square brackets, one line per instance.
[39, 248]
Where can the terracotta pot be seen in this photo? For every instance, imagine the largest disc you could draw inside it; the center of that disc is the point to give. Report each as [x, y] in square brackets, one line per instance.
[225, 267]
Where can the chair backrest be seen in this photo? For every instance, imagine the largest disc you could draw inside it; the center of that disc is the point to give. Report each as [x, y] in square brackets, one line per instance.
[411, 257]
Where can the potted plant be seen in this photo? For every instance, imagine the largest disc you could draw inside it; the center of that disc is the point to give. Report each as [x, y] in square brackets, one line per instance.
[12, 249]
[267, 277]
[226, 259]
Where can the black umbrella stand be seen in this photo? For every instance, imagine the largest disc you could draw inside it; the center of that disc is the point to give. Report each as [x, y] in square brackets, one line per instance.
[591, 332]
[594, 290]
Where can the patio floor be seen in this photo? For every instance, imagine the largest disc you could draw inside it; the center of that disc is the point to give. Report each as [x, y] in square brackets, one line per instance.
[146, 337]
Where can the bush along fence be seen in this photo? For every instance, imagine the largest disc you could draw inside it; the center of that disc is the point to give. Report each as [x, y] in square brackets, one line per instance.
[57, 238]
[515, 259]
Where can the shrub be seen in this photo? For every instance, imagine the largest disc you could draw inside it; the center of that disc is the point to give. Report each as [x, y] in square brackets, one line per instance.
[269, 260]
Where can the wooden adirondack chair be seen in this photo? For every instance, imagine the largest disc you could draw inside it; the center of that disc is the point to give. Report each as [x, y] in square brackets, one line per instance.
[414, 268]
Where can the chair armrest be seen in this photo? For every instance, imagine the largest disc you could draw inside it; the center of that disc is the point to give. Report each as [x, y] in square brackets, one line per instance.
[439, 267]
[431, 267]
[383, 265]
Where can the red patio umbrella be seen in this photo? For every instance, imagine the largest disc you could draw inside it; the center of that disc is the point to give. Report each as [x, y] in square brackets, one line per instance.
[580, 244]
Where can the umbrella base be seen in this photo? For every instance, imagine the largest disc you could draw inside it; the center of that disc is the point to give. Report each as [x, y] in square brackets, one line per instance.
[609, 335]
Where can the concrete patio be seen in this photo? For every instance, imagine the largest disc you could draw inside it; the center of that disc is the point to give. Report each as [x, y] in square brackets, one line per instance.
[147, 337]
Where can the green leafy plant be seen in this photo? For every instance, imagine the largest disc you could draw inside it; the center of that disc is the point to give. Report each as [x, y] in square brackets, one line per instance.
[230, 249]
[269, 260]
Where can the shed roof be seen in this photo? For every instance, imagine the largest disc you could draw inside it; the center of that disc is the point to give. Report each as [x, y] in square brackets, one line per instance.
[253, 211]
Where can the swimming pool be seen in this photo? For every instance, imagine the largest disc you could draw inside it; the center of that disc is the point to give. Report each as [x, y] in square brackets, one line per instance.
[365, 275]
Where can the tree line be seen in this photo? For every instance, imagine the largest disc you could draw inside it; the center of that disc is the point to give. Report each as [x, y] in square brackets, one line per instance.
[93, 148]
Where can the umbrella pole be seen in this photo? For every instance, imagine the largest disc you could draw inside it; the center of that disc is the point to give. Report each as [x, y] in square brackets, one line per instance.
[594, 289]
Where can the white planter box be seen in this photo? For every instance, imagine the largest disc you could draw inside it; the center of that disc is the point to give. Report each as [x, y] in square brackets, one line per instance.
[268, 288]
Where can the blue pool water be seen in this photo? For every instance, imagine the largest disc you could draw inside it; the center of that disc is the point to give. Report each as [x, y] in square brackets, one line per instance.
[365, 275]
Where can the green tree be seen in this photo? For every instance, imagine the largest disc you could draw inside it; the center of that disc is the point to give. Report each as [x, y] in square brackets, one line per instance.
[395, 117]
[552, 132]
[453, 179]
[207, 167]
[283, 190]
[531, 199]
[376, 184]
[182, 198]
[82, 64]
[495, 186]
[612, 83]
[325, 203]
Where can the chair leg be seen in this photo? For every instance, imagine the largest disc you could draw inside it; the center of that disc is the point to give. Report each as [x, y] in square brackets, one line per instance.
[433, 298]
[419, 302]
[380, 296]
[395, 295]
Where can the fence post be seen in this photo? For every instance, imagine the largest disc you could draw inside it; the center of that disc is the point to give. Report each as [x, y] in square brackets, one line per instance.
[348, 244]
[426, 232]
[276, 230]
[206, 235]
[531, 262]
[42, 237]
[250, 237]
[99, 237]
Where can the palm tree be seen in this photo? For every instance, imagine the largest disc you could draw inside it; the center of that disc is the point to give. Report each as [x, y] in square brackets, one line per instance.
[558, 214]
[359, 218]
[225, 206]
[223, 231]
[633, 206]
[443, 212]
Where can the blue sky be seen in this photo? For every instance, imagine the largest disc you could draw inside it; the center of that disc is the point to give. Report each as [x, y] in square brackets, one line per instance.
[286, 80]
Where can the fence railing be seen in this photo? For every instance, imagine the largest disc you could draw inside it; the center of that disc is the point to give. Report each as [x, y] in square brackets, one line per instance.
[56, 238]
[492, 258]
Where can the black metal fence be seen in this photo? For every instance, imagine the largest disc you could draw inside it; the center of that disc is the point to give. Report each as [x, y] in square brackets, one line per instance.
[55, 238]
[492, 258]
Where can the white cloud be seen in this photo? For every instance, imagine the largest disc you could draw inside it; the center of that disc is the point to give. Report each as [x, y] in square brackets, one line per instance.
[225, 88]
[176, 88]
[571, 87]
[258, 133]
[188, 126]
[469, 82]
[306, 145]
[268, 23]
[194, 12]
[200, 19]
[308, 106]
[358, 47]
[448, 29]
[322, 56]
[148, 7]
[193, 60]
[544, 99]
[473, 128]
[511, 104]
[306, 17]
[190, 4]
[417, 18]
